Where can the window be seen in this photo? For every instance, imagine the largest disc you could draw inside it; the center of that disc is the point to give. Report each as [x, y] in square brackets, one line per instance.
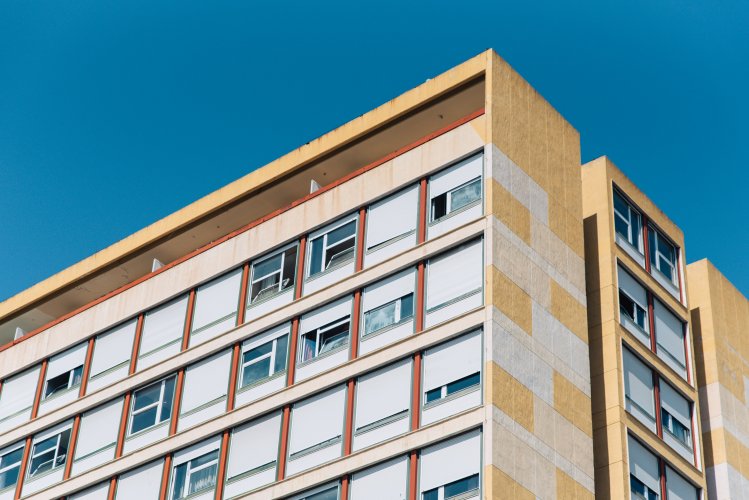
[216, 305]
[669, 335]
[640, 491]
[152, 405]
[17, 398]
[273, 274]
[452, 277]
[452, 201]
[663, 256]
[163, 328]
[325, 339]
[384, 481]
[49, 453]
[676, 428]
[10, 465]
[632, 310]
[329, 493]
[452, 490]
[196, 475]
[63, 382]
[389, 314]
[111, 359]
[676, 418]
[205, 390]
[141, 483]
[639, 390]
[392, 219]
[335, 247]
[264, 361]
[453, 387]
[97, 437]
[678, 488]
[253, 454]
[627, 222]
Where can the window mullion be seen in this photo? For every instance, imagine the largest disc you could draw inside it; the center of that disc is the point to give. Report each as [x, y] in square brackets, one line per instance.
[272, 356]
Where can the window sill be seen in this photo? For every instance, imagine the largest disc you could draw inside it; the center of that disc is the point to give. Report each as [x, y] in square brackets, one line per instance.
[255, 303]
[141, 432]
[251, 472]
[386, 329]
[325, 355]
[454, 213]
[453, 301]
[389, 242]
[213, 323]
[329, 270]
[452, 397]
[258, 383]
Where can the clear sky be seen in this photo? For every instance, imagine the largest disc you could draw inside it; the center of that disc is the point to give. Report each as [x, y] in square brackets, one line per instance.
[115, 114]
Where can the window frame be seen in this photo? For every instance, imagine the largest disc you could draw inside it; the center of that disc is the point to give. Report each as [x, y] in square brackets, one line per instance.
[272, 355]
[321, 330]
[655, 252]
[279, 288]
[5, 468]
[449, 211]
[667, 416]
[438, 493]
[398, 318]
[445, 393]
[634, 479]
[56, 455]
[645, 310]
[638, 243]
[132, 412]
[326, 247]
[185, 493]
[72, 383]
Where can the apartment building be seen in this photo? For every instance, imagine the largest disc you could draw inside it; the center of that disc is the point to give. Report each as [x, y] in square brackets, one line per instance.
[720, 321]
[395, 310]
[645, 402]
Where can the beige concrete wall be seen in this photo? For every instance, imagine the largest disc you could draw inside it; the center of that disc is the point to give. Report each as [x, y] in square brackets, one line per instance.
[720, 321]
[610, 420]
[538, 378]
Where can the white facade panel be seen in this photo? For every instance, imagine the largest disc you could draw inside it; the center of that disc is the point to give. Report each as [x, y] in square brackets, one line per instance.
[452, 360]
[321, 364]
[98, 492]
[216, 306]
[142, 483]
[454, 274]
[264, 307]
[162, 332]
[447, 180]
[678, 488]
[643, 465]
[34, 484]
[679, 408]
[97, 436]
[636, 292]
[393, 218]
[454, 309]
[66, 361]
[316, 429]
[206, 389]
[638, 390]
[383, 400]
[387, 480]
[450, 460]
[253, 455]
[669, 335]
[327, 278]
[326, 314]
[144, 438]
[111, 358]
[17, 398]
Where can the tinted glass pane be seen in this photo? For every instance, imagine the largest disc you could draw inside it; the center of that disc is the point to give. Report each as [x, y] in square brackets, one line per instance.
[281, 352]
[430, 495]
[620, 205]
[77, 375]
[266, 267]
[465, 195]
[308, 346]
[265, 287]
[57, 384]
[439, 206]
[331, 494]
[315, 261]
[379, 318]
[11, 458]
[147, 396]
[179, 481]
[202, 479]
[256, 371]
[258, 352]
[621, 227]
[166, 407]
[144, 419]
[9, 477]
[42, 462]
[407, 306]
[461, 486]
[463, 383]
[341, 233]
[289, 268]
[333, 338]
[434, 394]
[339, 253]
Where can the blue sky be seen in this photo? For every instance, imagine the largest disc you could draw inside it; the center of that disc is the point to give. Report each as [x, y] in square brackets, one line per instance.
[115, 114]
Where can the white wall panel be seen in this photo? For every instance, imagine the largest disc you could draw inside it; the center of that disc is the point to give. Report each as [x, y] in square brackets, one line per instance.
[450, 460]
[679, 488]
[146, 437]
[216, 305]
[669, 334]
[206, 388]
[452, 360]
[17, 398]
[142, 483]
[97, 436]
[638, 387]
[316, 421]
[643, 465]
[326, 314]
[389, 289]
[454, 274]
[266, 306]
[253, 455]
[98, 492]
[456, 175]
[162, 332]
[387, 480]
[392, 217]
[111, 359]
[66, 361]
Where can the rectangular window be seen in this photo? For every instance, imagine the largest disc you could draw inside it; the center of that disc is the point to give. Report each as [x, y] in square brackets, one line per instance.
[151, 405]
[676, 417]
[464, 488]
[196, 475]
[64, 373]
[633, 306]
[205, 390]
[97, 437]
[333, 248]
[49, 453]
[627, 222]
[644, 472]
[389, 314]
[216, 305]
[111, 359]
[640, 491]
[141, 483]
[472, 380]
[456, 199]
[676, 428]
[10, 465]
[384, 481]
[17, 398]
[454, 275]
[274, 274]
[678, 488]
[63, 382]
[639, 389]
[325, 339]
[264, 361]
[451, 469]
[663, 256]
[632, 310]
[253, 454]
[393, 218]
[669, 336]
[163, 328]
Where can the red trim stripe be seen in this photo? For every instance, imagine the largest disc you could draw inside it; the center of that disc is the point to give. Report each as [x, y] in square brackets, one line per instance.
[221, 479]
[86, 368]
[283, 448]
[22, 471]
[164, 489]
[136, 344]
[71, 447]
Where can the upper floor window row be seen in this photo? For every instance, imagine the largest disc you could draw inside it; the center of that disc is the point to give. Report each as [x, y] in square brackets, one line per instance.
[646, 479]
[662, 255]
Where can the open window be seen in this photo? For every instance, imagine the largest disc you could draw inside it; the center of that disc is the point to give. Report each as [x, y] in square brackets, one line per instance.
[639, 390]
[455, 196]
[151, 405]
[644, 475]
[216, 305]
[10, 466]
[452, 468]
[273, 274]
[324, 338]
[330, 254]
[664, 258]
[391, 225]
[316, 430]
[676, 418]
[628, 227]
[195, 470]
[206, 390]
[253, 455]
[63, 378]
[97, 437]
[263, 364]
[387, 480]
[49, 453]
[17, 398]
[163, 328]
[633, 306]
[112, 353]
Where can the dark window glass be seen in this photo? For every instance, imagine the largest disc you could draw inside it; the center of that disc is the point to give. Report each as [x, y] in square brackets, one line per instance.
[461, 486]
[463, 383]
[439, 206]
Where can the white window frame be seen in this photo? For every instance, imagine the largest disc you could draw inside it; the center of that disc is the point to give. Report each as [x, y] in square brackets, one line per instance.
[448, 201]
[326, 247]
[158, 404]
[185, 487]
[397, 318]
[71, 382]
[55, 456]
[278, 286]
[636, 243]
[272, 355]
[5, 467]
[646, 320]
[668, 421]
[465, 494]
[458, 393]
[320, 331]
[674, 280]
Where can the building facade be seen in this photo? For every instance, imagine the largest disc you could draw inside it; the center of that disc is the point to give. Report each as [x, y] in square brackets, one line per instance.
[720, 321]
[433, 301]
